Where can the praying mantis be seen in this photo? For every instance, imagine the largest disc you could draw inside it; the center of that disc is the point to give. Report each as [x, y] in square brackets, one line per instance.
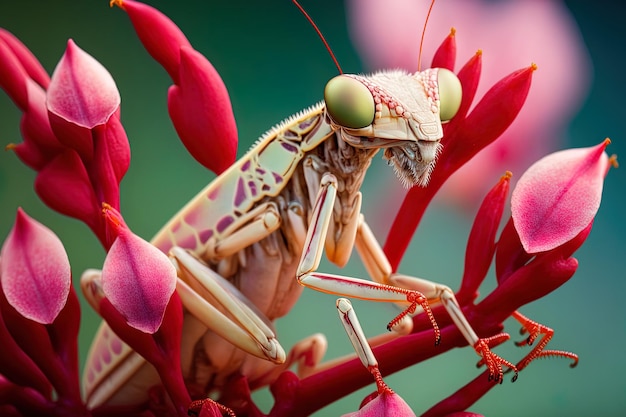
[252, 239]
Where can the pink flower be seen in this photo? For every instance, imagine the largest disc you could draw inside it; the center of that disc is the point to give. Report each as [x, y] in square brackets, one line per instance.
[83, 107]
[72, 132]
[34, 270]
[137, 278]
[39, 320]
[511, 34]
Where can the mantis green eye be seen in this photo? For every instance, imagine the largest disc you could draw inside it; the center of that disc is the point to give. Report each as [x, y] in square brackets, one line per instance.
[450, 93]
[349, 102]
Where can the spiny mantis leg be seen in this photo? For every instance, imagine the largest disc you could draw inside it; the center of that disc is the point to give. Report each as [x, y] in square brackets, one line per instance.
[246, 331]
[377, 265]
[343, 285]
[243, 326]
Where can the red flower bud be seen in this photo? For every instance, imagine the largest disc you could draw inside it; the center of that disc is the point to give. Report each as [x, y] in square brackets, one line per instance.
[445, 56]
[198, 102]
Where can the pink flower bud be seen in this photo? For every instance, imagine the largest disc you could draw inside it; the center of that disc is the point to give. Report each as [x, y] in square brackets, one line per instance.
[559, 196]
[34, 270]
[386, 404]
[81, 96]
[137, 278]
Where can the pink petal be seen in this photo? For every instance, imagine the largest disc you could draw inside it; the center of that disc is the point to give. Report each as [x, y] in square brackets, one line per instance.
[34, 270]
[81, 95]
[384, 405]
[202, 114]
[558, 196]
[137, 278]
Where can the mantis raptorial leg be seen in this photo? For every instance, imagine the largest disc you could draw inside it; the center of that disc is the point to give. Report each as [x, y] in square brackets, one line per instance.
[387, 286]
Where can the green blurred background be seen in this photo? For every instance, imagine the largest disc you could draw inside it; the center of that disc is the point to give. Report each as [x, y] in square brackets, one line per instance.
[274, 65]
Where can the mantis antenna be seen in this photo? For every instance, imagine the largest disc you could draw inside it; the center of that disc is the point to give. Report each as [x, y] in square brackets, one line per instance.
[419, 58]
[319, 33]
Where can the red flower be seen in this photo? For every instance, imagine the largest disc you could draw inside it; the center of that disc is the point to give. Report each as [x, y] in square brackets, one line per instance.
[464, 136]
[198, 102]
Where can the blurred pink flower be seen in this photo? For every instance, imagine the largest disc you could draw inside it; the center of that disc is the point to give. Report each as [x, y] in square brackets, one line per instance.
[511, 34]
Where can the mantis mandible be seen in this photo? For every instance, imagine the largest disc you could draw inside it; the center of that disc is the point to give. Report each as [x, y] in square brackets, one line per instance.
[248, 243]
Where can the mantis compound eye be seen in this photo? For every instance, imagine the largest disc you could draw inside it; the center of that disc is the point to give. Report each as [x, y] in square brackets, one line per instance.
[450, 94]
[349, 103]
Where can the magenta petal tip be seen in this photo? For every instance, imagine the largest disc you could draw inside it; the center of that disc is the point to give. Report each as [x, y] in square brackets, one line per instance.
[34, 270]
[81, 90]
[386, 404]
[559, 196]
[138, 279]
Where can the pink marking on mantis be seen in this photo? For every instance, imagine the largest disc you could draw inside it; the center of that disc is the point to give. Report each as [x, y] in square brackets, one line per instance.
[252, 188]
[205, 235]
[289, 147]
[240, 193]
[214, 193]
[188, 242]
[277, 177]
[106, 355]
[116, 346]
[176, 226]
[306, 123]
[97, 364]
[224, 222]
[245, 166]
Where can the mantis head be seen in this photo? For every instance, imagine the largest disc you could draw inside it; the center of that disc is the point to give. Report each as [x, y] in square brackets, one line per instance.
[399, 112]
